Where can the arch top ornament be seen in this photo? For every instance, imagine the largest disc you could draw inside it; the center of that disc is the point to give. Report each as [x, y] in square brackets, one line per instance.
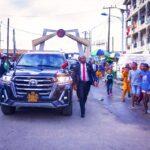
[61, 33]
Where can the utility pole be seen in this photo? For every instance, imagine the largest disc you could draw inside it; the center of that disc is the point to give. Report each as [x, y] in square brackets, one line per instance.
[0, 34]
[90, 39]
[122, 20]
[112, 44]
[109, 25]
[109, 29]
[122, 12]
[85, 37]
[14, 43]
[7, 38]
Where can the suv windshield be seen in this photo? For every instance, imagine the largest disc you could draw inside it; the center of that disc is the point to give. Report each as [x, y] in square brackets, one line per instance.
[41, 60]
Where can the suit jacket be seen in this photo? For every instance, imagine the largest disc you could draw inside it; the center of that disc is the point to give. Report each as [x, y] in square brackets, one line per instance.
[77, 73]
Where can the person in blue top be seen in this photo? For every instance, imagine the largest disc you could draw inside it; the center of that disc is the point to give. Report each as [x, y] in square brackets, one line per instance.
[145, 85]
[135, 80]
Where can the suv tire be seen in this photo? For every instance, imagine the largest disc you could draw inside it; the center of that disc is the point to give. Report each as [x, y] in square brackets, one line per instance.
[8, 110]
[67, 111]
[1, 93]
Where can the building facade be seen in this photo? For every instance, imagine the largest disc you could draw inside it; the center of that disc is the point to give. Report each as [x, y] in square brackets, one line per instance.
[138, 26]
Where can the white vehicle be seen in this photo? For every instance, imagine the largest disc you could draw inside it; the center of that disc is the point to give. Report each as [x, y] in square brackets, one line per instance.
[129, 58]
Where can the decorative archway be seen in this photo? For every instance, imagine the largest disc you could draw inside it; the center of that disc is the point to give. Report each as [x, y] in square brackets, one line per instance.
[61, 33]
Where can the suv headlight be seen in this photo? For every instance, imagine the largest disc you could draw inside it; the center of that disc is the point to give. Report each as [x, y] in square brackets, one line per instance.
[64, 79]
[6, 78]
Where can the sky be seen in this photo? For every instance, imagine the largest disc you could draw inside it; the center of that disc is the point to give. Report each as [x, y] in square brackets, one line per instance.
[30, 17]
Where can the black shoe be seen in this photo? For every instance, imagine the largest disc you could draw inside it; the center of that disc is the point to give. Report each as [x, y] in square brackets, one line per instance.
[129, 95]
[82, 116]
[145, 111]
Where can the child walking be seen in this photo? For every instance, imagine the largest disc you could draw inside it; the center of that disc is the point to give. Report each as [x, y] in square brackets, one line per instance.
[109, 81]
[126, 83]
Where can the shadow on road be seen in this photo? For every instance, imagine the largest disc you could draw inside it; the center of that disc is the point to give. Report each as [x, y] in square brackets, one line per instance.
[36, 114]
[120, 110]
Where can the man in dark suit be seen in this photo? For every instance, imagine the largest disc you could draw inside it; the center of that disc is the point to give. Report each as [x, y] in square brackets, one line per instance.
[83, 77]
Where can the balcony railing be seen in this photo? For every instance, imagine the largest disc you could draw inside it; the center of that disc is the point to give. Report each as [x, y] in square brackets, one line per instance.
[148, 20]
[142, 43]
[134, 4]
[141, 1]
[148, 39]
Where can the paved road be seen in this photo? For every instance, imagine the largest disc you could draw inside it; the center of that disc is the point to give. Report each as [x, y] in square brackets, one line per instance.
[108, 125]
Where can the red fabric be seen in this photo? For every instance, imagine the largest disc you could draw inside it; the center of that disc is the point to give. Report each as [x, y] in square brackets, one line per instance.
[64, 65]
[84, 78]
[128, 30]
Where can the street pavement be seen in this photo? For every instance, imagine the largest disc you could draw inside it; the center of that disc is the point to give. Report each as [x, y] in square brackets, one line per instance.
[109, 125]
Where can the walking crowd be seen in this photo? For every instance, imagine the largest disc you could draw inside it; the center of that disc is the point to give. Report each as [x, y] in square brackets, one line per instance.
[135, 81]
[138, 82]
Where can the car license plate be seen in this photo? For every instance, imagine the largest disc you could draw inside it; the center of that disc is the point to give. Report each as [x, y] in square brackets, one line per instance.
[32, 97]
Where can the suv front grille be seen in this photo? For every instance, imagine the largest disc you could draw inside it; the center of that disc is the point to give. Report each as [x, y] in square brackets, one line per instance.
[25, 84]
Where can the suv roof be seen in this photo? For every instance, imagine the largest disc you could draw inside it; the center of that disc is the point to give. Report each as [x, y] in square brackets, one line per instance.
[45, 52]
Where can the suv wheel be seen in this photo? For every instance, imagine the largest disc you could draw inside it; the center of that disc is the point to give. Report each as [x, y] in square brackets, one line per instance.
[67, 111]
[1, 93]
[8, 110]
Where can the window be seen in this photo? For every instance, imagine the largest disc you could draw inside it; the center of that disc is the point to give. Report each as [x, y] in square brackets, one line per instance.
[148, 36]
[142, 15]
[41, 60]
[142, 43]
[135, 45]
[134, 4]
[148, 9]
[142, 1]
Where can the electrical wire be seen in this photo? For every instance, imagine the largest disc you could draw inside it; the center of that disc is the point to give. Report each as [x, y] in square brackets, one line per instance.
[51, 15]
[21, 30]
[28, 32]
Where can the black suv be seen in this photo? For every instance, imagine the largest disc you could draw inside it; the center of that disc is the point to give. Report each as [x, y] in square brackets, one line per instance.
[39, 79]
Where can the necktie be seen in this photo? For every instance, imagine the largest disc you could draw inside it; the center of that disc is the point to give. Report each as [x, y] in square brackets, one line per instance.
[84, 78]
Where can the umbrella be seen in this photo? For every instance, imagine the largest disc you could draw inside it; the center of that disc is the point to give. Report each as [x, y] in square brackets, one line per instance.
[93, 53]
[106, 53]
[117, 55]
[109, 60]
[112, 55]
[100, 52]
